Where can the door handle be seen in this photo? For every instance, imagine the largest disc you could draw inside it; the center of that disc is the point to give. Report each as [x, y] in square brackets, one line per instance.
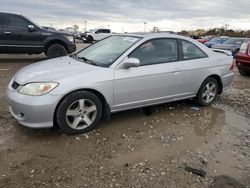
[7, 32]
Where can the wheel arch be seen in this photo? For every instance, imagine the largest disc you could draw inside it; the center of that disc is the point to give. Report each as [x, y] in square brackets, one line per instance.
[56, 41]
[90, 35]
[105, 106]
[218, 79]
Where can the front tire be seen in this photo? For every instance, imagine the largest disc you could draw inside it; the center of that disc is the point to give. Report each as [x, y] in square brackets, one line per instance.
[79, 112]
[56, 50]
[90, 39]
[207, 92]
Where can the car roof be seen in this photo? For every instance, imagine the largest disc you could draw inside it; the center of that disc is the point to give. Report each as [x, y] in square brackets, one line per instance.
[243, 38]
[153, 35]
[10, 13]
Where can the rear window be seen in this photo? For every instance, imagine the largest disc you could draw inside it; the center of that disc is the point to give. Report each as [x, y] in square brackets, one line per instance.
[191, 51]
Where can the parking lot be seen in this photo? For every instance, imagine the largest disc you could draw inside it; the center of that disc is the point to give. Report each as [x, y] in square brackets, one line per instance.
[133, 149]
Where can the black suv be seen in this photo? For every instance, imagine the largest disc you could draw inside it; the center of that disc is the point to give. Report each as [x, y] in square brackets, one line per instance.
[20, 35]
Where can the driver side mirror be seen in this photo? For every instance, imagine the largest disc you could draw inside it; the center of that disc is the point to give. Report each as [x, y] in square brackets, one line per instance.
[130, 62]
[31, 28]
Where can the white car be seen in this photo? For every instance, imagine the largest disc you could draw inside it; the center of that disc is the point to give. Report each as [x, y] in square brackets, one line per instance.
[96, 35]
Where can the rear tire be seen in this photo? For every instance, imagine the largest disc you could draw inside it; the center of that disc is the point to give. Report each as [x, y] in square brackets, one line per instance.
[207, 92]
[56, 50]
[79, 112]
[242, 72]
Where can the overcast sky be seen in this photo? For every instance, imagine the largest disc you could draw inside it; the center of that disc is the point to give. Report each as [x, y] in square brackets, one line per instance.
[129, 15]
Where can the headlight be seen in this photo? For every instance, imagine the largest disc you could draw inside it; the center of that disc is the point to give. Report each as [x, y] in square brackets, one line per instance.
[37, 89]
[70, 38]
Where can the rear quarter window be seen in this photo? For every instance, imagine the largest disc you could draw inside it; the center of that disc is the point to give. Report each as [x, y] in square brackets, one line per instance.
[191, 51]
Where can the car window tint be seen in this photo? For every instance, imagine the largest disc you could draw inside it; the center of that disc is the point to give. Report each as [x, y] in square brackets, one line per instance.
[156, 51]
[191, 51]
[1, 20]
[15, 22]
[106, 31]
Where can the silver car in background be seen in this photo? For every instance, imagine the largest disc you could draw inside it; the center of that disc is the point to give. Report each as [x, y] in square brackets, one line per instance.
[117, 73]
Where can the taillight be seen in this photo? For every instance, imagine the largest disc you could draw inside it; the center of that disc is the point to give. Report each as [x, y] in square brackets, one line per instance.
[232, 66]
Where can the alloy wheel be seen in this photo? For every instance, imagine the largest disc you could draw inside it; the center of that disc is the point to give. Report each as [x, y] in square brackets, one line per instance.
[81, 114]
[209, 92]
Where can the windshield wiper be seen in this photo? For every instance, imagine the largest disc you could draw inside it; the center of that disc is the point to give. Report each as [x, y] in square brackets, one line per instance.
[86, 60]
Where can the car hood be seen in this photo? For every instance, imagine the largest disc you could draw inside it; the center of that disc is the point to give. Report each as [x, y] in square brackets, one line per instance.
[52, 70]
[57, 32]
[226, 46]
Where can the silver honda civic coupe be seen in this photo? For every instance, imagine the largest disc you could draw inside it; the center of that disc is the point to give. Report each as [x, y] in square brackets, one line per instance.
[117, 73]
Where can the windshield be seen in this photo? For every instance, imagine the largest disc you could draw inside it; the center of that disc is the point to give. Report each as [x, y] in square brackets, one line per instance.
[234, 41]
[105, 52]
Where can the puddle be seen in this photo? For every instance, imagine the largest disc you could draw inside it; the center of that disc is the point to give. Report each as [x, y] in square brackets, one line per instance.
[176, 131]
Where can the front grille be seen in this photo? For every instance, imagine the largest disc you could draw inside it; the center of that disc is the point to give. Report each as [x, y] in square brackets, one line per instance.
[15, 85]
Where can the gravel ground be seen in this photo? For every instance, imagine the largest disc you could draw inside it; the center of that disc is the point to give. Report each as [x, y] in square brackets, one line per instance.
[132, 149]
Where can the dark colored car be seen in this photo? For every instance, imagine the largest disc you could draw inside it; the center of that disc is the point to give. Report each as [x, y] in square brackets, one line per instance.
[216, 40]
[19, 34]
[232, 44]
[242, 59]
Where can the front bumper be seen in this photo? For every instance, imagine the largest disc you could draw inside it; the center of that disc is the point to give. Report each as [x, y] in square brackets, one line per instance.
[32, 111]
